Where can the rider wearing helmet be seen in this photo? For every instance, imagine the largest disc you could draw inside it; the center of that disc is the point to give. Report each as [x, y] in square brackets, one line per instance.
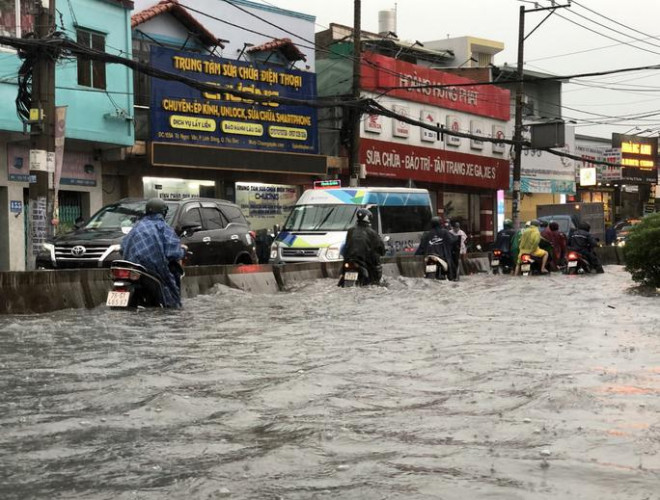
[529, 244]
[441, 242]
[504, 243]
[364, 246]
[583, 242]
[153, 244]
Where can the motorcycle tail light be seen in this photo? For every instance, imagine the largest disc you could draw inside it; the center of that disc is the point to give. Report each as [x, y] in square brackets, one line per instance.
[125, 274]
[572, 256]
[526, 258]
[497, 253]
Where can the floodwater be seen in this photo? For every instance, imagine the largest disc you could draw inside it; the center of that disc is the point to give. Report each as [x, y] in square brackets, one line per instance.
[494, 387]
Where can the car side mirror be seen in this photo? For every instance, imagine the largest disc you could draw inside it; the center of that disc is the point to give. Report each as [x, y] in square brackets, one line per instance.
[80, 222]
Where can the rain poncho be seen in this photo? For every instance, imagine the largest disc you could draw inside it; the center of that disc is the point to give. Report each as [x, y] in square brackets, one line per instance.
[363, 245]
[153, 244]
[530, 239]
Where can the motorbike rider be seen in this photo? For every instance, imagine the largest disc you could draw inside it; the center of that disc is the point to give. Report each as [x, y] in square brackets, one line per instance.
[441, 242]
[583, 242]
[558, 241]
[504, 240]
[529, 244]
[364, 246]
[153, 244]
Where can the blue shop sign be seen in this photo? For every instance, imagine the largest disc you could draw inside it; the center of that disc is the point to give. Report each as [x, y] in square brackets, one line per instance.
[182, 114]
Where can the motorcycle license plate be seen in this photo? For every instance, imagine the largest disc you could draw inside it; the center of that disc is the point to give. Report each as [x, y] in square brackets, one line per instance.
[495, 262]
[525, 268]
[431, 268]
[351, 276]
[118, 299]
[572, 263]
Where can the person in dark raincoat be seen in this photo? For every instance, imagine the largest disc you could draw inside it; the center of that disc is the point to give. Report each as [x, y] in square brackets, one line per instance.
[443, 243]
[153, 244]
[363, 245]
[583, 242]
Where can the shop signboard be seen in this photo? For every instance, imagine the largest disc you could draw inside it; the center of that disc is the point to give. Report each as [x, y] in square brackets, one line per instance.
[604, 173]
[638, 157]
[413, 82]
[373, 123]
[402, 161]
[265, 205]
[544, 172]
[399, 127]
[498, 133]
[453, 124]
[477, 128]
[184, 115]
[430, 117]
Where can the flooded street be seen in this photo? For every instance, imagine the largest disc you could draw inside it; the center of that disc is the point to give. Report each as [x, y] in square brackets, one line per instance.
[493, 387]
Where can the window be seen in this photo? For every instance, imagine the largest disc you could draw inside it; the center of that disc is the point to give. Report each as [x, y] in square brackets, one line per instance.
[234, 214]
[405, 219]
[15, 18]
[214, 219]
[192, 217]
[91, 73]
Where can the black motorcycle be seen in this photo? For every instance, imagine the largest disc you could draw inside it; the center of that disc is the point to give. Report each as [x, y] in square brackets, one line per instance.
[133, 286]
[435, 267]
[530, 265]
[501, 262]
[576, 263]
[353, 273]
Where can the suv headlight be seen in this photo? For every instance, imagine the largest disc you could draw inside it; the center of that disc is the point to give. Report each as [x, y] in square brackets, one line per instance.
[333, 252]
[50, 248]
[273, 251]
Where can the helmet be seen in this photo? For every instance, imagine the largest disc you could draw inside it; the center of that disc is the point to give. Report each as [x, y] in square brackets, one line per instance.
[436, 222]
[535, 222]
[584, 226]
[554, 226]
[156, 206]
[543, 223]
[363, 215]
[508, 223]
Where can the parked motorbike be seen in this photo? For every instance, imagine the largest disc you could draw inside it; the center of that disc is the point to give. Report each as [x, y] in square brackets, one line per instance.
[576, 263]
[133, 286]
[435, 267]
[353, 273]
[501, 262]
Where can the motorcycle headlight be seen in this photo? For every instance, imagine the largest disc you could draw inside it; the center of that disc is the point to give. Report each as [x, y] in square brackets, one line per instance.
[333, 252]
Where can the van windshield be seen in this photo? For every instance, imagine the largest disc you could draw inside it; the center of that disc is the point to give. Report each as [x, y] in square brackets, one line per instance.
[123, 215]
[320, 218]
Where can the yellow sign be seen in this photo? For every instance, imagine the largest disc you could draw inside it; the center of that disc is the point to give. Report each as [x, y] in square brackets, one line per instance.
[255, 129]
[295, 134]
[192, 123]
[636, 148]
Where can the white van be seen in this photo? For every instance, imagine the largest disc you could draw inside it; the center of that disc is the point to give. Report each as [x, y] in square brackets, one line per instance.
[316, 228]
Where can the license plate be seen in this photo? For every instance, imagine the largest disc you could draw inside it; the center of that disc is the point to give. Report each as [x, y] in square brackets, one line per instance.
[351, 276]
[431, 268]
[525, 268]
[495, 263]
[118, 299]
[572, 263]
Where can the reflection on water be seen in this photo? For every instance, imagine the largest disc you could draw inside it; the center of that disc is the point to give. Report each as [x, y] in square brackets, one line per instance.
[493, 387]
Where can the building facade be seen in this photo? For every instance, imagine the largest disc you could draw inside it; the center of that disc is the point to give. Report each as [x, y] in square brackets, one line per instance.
[98, 105]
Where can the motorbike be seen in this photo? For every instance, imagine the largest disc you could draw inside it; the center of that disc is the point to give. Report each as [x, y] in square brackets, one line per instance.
[501, 262]
[435, 267]
[576, 263]
[529, 265]
[133, 286]
[353, 273]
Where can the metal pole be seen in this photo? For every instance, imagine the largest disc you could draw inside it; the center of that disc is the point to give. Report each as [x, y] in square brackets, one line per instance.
[42, 140]
[517, 135]
[354, 160]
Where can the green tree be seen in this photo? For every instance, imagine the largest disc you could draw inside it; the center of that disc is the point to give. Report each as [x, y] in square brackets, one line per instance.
[642, 251]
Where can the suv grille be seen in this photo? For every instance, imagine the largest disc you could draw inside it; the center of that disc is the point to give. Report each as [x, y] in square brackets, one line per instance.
[85, 253]
[300, 252]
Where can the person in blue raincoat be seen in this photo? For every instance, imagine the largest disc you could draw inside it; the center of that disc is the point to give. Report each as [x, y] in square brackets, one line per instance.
[153, 244]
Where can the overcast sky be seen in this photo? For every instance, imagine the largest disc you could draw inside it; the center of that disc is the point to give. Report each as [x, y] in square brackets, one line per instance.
[561, 45]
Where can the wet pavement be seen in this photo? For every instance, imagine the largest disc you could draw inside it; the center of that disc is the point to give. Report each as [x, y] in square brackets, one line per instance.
[494, 387]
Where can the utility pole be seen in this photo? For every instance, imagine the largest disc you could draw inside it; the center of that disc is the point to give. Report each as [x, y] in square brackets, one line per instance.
[354, 159]
[42, 138]
[520, 92]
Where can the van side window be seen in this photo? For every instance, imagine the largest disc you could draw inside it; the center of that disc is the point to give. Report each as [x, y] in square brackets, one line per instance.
[405, 219]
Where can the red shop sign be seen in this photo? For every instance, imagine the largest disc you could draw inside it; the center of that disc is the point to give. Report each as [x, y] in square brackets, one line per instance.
[400, 161]
[381, 74]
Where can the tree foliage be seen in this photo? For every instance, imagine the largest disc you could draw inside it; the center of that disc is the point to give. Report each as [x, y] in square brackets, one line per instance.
[642, 251]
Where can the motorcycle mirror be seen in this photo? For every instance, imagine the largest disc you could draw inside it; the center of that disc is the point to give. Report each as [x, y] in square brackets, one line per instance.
[386, 238]
[189, 230]
[479, 248]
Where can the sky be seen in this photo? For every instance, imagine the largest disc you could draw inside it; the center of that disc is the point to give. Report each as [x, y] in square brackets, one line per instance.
[589, 36]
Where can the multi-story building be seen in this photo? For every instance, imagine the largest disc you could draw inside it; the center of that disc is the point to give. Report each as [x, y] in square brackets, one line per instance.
[99, 115]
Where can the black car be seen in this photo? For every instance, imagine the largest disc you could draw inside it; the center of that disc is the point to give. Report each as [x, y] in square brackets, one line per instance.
[215, 231]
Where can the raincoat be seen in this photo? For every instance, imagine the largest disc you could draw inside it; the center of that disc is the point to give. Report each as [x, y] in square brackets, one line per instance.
[153, 244]
[363, 245]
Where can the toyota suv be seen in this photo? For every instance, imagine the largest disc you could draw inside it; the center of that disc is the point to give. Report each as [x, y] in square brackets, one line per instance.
[215, 232]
